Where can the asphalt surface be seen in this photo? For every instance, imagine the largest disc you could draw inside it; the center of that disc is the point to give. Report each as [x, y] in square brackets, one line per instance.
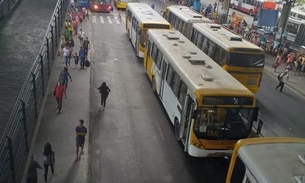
[21, 35]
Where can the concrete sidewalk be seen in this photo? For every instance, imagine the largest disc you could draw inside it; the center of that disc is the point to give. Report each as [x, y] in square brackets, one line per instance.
[59, 129]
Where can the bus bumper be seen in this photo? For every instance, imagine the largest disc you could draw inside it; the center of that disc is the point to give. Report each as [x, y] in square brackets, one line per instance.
[196, 152]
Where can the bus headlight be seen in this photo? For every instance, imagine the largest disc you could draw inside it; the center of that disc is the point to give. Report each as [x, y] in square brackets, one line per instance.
[95, 6]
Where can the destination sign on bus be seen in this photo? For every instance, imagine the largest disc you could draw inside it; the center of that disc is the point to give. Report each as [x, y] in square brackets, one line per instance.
[222, 100]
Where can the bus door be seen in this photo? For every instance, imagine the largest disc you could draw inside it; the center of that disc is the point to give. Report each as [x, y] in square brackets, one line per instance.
[185, 121]
[162, 78]
[134, 28]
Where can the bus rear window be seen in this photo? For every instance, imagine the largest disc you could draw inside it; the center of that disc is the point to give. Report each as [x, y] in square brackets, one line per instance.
[246, 60]
[156, 26]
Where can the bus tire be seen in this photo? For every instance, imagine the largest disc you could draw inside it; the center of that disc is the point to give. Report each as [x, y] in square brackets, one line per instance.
[177, 129]
[153, 85]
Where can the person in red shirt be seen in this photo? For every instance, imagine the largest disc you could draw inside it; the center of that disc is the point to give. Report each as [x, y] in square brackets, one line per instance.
[58, 93]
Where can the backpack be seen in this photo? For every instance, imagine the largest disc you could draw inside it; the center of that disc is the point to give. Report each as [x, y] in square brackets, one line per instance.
[280, 76]
[87, 63]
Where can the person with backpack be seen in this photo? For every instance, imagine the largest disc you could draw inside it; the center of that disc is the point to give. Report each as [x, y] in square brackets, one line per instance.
[86, 46]
[48, 160]
[104, 91]
[283, 78]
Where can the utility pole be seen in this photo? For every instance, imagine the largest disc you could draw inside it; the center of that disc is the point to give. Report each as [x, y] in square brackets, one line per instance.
[284, 19]
[224, 11]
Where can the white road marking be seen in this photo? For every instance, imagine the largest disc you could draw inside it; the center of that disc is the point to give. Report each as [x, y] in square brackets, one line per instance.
[109, 20]
[93, 19]
[102, 19]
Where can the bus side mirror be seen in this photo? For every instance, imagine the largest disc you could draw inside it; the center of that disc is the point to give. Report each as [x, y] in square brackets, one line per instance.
[255, 114]
[194, 114]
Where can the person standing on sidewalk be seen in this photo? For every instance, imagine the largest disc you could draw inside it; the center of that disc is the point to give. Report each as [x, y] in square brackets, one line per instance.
[81, 132]
[104, 90]
[86, 45]
[32, 171]
[82, 56]
[48, 160]
[81, 36]
[58, 93]
[283, 78]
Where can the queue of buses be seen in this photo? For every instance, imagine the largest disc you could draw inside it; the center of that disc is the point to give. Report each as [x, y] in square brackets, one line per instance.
[243, 60]
[211, 111]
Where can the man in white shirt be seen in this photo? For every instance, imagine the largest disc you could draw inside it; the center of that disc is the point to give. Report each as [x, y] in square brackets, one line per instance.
[81, 36]
[283, 78]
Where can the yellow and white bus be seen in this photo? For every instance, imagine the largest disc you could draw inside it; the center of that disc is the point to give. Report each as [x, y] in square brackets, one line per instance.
[139, 18]
[242, 59]
[268, 160]
[121, 4]
[183, 17]
[210, 110]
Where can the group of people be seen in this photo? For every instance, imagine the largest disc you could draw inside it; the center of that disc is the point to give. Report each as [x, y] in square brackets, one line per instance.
[49, 155]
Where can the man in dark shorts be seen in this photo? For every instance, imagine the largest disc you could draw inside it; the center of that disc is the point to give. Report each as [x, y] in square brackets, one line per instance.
[81, 132]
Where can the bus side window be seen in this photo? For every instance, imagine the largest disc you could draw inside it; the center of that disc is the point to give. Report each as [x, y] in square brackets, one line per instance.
[199, 40]
[182, 92]
[211, 49]
[205, 45]
[176, 25]
[180, 22]
[222, 57]
[159, 59]
[148, 47]
[169, 75]
[154, 53]
[194, 36]
[176, 84]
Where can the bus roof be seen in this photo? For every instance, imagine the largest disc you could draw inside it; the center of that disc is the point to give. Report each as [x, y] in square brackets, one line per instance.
[200, 73]
[273, 160]
[187, 14]
[145, 14]
[224, 38]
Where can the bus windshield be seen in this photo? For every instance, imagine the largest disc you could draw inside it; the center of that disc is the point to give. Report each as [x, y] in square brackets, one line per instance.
[223, 123]
[104, 1]
[246, 60]
[126, 1]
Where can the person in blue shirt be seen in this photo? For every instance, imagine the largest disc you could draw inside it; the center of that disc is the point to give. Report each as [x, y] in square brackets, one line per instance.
[82, 56]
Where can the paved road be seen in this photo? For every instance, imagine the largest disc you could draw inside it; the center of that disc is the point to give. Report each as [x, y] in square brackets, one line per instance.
[21, 35]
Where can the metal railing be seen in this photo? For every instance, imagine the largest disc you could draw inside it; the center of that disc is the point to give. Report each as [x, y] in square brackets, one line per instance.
[18, 134]
[6, 6]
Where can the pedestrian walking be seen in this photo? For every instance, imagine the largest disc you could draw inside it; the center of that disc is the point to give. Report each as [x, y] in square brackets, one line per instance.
[277, 62]
[48, 160]
[81, 132]
[32, 171]
[82, 56]
[298, 65]
[111, 12]
[81, 36]
[215, 6]
[58, 92]
[283, 78]
[120, 17]
[66, 54]
[64, 76]
[104, 91]
[86, 46]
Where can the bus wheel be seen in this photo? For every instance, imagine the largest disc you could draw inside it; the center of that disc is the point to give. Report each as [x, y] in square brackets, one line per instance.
[153, 85]
[177, 129]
